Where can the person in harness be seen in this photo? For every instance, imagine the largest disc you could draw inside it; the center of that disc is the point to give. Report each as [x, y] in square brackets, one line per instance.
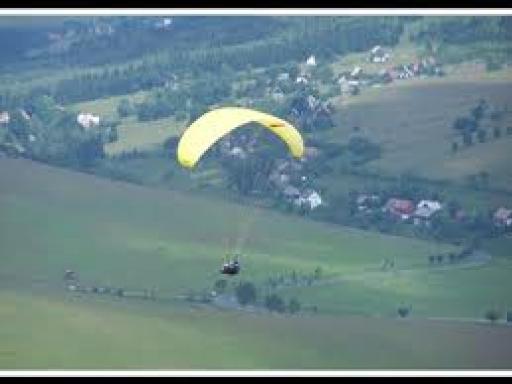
[231, 267]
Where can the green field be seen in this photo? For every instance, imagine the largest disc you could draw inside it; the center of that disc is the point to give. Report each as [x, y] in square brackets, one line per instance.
[418, 137]
[136, 237]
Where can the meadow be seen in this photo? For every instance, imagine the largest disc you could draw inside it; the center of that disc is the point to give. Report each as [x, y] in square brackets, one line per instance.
[137, 237]
[418, 138]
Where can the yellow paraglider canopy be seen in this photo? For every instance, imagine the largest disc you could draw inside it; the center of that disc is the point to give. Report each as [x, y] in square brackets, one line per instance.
[213, 125]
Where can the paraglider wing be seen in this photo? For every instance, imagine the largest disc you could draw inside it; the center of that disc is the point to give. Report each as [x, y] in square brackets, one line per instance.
[213, 125]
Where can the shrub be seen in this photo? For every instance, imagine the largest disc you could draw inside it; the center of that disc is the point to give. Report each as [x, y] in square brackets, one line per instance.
[245, 293]
[403, 311]
[492, 315]
[274, 302]
[294, 306]
[220, 285]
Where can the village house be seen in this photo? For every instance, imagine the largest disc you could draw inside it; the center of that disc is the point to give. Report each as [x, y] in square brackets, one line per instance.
[378, 55]
[301, 80]
[4, 117]
[24, 114]
[311, 61]
[400, 207]
[356, 72]
[426, 208]
[310, 198]
[503, 217]
[164, 23]
[88, 120]
[237, 152]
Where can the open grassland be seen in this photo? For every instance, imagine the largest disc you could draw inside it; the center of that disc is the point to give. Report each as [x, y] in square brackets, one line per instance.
[142, 135]
[135, 237]
[107, 107]
[133, 134]
[72, 332]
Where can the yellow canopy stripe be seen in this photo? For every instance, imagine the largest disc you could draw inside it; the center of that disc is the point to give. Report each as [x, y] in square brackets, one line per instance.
[213, 125]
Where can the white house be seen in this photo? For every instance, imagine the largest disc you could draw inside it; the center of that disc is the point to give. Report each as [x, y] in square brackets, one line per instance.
[164, 23]
[356, 72]
[237, 152]
[88, 120]
[4, 117]
[310, 198]
[311, 61]
[24, 114]
[301, 79]
[426, 208]
[379, 55]
[503, 217]
[314, 199]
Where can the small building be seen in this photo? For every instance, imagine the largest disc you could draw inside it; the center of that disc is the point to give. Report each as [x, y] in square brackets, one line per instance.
[503, 217]
[25, 114]
[237, 152]
[301, 80]
[311, 61]
[356, 72]
[88, 120]
[164, 23]
[426, 208]
[4, 117]
[312, 199]
[400, 207]
[378, 55]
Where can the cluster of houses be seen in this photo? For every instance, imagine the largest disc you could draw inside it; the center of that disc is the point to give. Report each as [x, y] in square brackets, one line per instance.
[421, 212]
[424, 67]
[292, 186]
[402, 209]
[351, 82]
[287, 177]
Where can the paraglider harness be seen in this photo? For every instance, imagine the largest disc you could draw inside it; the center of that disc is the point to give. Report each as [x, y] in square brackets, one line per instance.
[231, 267]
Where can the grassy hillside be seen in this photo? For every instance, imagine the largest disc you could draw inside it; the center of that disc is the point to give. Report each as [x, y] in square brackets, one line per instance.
[136, 237]
[108, 229]
[413, 123]
[62, 332]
